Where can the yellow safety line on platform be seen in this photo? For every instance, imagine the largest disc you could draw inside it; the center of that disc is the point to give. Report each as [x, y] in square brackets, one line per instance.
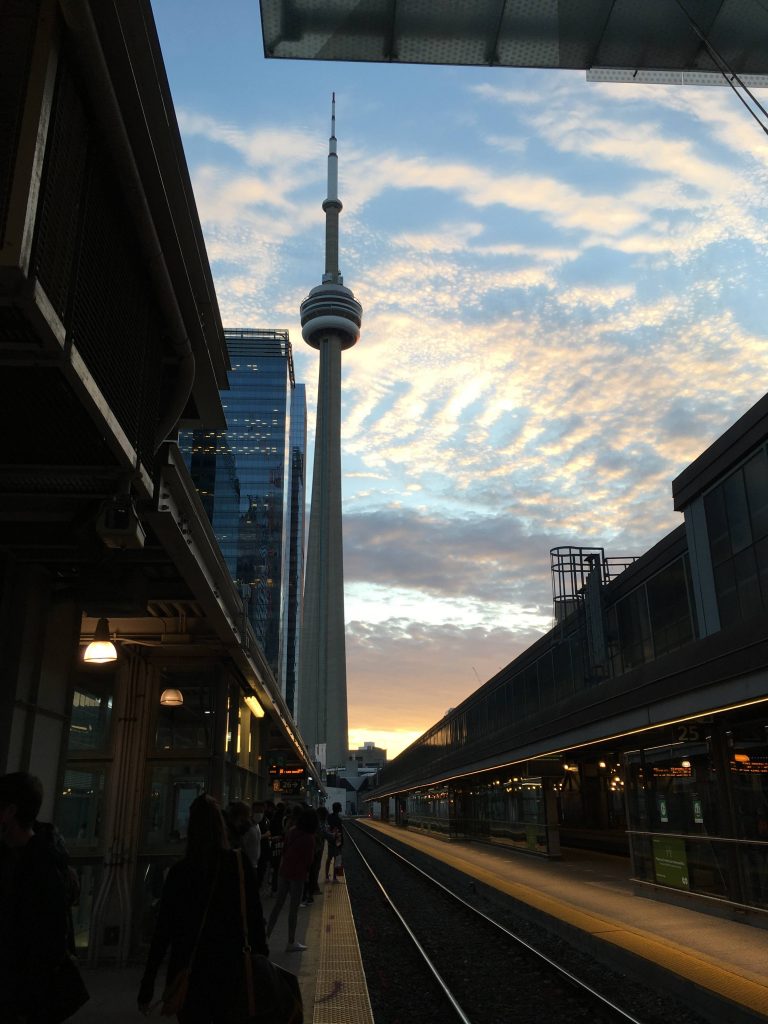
[697, 968]
[341, 992]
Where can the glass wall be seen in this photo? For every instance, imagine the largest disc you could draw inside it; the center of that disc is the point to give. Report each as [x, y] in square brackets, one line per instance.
[79, 814]
[508, 810]
[698, 810]
[737, 524]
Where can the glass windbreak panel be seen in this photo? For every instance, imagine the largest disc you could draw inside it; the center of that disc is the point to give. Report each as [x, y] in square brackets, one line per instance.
[91, 715]
[710, 865]
[190, 726]
[754, 858]
[673, 789]
[748, 769]
[80, 808]
[669, 608]
[506, 810]
[172, 788]
[149, 887]
[89, 878]
[428, 809]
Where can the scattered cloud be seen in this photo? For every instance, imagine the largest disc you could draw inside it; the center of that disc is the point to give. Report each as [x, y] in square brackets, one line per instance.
[563, 305]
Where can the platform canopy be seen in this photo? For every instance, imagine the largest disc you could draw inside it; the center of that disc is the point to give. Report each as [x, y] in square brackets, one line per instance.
[683, 41]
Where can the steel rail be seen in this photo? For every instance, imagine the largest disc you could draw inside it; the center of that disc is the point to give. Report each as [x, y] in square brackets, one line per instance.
[570, 977]
[423, 953]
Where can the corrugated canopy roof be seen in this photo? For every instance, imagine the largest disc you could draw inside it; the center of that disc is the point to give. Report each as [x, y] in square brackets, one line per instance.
[647, 36]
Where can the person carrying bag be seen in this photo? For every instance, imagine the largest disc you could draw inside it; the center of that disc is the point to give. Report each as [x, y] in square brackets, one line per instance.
[270, 994]
[200, 919]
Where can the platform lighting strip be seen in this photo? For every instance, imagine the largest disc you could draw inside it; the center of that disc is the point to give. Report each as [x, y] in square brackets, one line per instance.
[564, 750]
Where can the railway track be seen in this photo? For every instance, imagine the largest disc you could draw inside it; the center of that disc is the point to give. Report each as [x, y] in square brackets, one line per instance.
[477, 961]
[457, 963]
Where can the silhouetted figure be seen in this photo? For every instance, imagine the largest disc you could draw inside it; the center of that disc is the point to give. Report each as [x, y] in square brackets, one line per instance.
[34, 913]
[298, 853]
[199, 918]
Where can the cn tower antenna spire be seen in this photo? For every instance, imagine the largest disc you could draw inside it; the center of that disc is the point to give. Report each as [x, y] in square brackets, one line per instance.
[332, 206]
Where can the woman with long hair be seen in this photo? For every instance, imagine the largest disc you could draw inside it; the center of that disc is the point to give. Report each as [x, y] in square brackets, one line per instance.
[200, 919]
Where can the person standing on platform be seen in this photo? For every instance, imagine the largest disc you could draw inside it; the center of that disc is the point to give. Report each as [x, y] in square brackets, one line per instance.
[298, 853]
[33, 904]
[335, 843]
[237, 818]
[311, 887]
[200, 919]
[252, 838]
[276, 844]
[265, 856]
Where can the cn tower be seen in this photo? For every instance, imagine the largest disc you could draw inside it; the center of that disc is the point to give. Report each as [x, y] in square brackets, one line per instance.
[330, 322]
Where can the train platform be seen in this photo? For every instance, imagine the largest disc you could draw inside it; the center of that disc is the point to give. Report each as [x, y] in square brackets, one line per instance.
[718, 967]
[330, 970]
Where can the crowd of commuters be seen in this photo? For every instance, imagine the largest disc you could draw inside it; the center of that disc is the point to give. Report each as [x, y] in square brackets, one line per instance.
[210, 906]
[239, 857]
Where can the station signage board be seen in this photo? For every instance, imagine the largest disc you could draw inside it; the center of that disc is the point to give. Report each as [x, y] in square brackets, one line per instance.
[670, 862]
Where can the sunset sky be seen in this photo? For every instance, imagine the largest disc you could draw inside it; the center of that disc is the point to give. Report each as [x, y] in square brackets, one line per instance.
[564, 303]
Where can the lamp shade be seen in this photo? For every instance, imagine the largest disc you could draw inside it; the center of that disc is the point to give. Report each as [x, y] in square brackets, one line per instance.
[254, 707]
[171, 698]
[100, 650]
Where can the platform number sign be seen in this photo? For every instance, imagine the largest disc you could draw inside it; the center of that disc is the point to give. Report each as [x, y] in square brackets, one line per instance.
[687, 732]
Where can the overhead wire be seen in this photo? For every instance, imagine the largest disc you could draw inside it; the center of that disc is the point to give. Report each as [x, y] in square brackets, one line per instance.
[728, 73]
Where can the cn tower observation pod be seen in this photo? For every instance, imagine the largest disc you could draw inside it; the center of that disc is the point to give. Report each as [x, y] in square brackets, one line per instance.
[331, 308]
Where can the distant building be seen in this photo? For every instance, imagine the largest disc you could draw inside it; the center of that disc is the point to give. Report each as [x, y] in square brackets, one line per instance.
[250, 478]
[367, 759]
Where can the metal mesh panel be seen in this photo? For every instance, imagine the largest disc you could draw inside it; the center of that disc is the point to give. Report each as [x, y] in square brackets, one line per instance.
[61, 192]
[48, 422]
[114, 321]
[18, 19]
[15, 329]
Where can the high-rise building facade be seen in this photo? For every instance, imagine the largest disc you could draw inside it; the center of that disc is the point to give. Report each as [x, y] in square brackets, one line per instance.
[330, 320]
[293, 549]
[250, 478]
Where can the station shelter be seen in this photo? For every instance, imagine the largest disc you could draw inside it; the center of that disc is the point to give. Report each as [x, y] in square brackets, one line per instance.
[638, 725]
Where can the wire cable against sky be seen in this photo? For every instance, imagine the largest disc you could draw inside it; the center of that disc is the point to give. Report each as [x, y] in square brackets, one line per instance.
[728, 74]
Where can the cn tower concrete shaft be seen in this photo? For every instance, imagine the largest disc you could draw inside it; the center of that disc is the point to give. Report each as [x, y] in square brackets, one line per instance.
[330, 319]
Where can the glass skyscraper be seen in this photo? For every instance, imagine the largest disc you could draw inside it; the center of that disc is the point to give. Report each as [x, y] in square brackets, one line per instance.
[293, 555]
[250, 479]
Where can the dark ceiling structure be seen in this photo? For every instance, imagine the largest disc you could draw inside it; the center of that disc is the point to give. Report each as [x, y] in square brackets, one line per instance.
[683, 41]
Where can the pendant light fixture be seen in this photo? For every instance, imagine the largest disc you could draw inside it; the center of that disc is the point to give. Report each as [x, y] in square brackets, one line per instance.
[101, 650]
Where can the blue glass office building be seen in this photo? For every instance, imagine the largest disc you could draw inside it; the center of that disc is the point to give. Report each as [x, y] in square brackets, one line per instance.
[250, 479]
